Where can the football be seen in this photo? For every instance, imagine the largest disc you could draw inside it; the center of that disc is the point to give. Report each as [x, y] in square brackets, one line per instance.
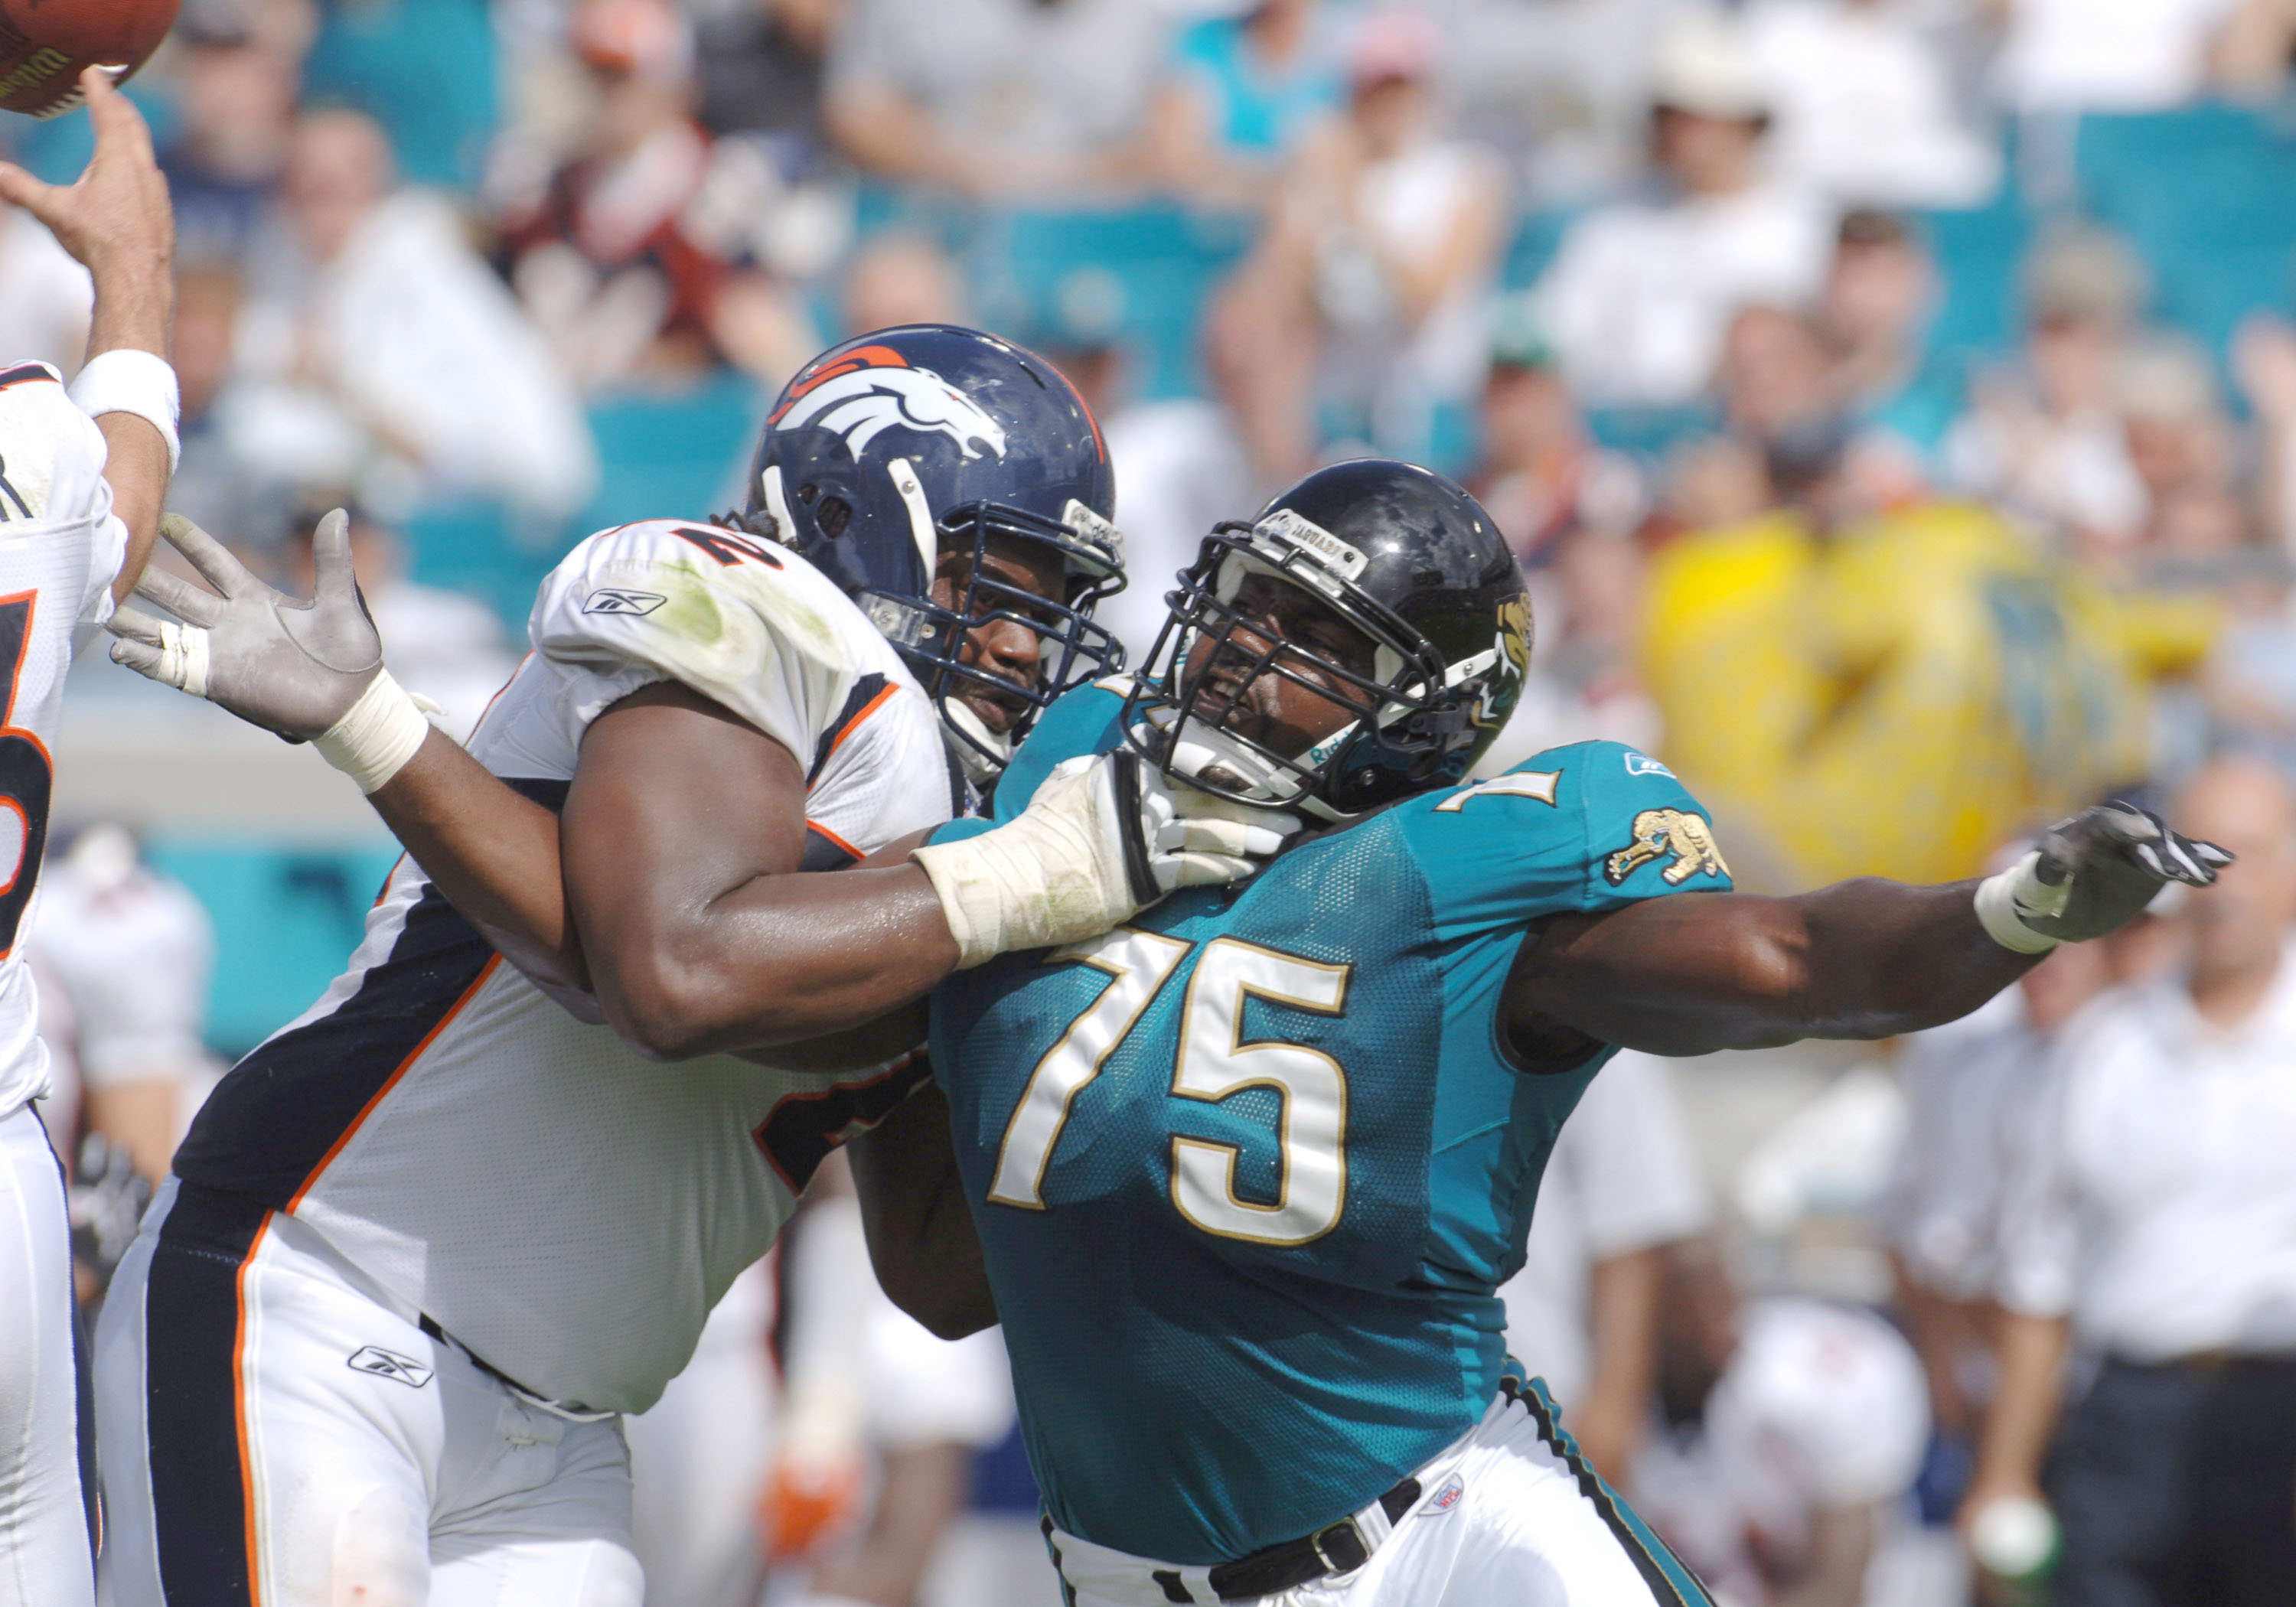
[46, 44]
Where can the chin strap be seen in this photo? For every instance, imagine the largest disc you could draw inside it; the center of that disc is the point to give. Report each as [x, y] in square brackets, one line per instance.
[981, 753]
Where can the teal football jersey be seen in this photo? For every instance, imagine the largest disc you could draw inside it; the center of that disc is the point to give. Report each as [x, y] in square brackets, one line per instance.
[1249, 1170]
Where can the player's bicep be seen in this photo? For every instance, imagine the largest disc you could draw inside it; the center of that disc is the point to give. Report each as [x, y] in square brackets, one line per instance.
[675, 802]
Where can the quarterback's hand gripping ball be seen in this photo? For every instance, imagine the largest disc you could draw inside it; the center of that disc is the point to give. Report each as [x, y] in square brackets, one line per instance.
[307, 670]
[45, 48]
[1102, 839]
[2091, 874]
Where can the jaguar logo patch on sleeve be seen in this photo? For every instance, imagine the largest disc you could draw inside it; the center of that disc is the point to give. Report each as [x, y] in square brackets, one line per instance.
[1683, 841]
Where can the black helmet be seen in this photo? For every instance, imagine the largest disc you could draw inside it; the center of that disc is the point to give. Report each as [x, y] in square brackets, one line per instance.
[886, 450]
[1403, 557]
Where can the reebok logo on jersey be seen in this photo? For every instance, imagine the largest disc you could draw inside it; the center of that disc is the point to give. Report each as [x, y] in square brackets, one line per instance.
[615, 600]
[1538, 784]
[1643, 763]
[1445, 1498]
[389, 1365]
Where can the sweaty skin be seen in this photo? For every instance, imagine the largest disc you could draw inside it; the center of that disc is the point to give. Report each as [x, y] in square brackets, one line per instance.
[677, 855]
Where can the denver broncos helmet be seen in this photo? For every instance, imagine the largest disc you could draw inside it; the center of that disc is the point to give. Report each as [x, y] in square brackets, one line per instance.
[1403, 557]
[912, 451]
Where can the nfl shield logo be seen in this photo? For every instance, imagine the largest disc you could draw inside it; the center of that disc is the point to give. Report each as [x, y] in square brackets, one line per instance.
[1445, 1498]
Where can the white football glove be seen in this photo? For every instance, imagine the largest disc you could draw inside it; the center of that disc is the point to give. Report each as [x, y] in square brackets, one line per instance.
[309, 671]
[2090, 875]
[1102, 839]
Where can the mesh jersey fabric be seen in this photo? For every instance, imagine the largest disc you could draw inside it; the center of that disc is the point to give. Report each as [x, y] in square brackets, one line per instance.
[496, 1159]
[1196, 1381]
[60, 548]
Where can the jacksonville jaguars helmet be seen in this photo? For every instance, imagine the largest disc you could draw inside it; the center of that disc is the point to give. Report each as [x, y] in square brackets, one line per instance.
[897, 448]
[1403, 557]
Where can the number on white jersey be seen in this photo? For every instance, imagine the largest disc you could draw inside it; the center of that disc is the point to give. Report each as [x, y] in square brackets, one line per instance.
[26, 778]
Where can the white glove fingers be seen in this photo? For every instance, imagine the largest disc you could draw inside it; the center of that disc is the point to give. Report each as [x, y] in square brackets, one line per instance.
[337, 583]
[207, 555]
[1200, 870]
[2131, 825]
[135, 627]
[1218, 837]
[180, 597]
[175, 655]
[2182, 863]
[144, 658]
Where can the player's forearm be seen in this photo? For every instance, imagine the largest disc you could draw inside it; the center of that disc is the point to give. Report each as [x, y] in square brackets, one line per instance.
[1880, 958]
[136, 467]
[921, 1240]
[493, 853]
[780, 959]
[135, 299]
[1693, 974]
[134, 304]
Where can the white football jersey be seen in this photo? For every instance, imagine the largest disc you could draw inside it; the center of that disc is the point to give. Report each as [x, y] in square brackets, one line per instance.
[564, 1208]
[60, 548]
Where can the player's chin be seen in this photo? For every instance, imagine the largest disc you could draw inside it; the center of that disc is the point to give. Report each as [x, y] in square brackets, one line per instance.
[1000, 714]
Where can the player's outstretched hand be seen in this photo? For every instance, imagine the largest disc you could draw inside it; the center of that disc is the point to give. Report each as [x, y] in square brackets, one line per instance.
[1102, 839]
[2090, 875]
[292, 666]
[115, 218]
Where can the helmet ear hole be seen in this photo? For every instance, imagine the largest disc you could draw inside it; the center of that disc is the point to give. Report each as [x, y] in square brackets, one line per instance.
[807, 492]
[833, 515]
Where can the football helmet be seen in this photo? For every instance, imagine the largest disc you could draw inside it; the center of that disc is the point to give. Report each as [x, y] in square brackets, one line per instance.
[1402, 555]
[894, 449]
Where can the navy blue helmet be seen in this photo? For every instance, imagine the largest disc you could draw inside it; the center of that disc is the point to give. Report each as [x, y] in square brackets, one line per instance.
[1403, 557]
[930, 450]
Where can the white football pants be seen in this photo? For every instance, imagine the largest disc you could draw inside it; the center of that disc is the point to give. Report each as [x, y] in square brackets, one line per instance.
[47, 1535]
[1510, 1516]
[272, 1432]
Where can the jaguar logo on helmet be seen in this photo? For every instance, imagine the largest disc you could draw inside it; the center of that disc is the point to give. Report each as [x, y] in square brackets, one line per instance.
[873, 388]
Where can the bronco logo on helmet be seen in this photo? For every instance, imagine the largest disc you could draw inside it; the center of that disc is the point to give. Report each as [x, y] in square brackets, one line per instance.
[873, 388]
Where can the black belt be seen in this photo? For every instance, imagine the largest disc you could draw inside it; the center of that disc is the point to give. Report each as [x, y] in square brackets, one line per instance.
[1335, 1548]
[430, 1325]
[1272, 1570]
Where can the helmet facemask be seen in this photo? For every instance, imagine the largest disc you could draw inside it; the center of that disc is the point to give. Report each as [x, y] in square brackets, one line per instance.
[932, 637]
[1412, 718]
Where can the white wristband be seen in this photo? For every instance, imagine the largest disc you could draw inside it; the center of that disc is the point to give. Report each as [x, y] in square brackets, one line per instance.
[377, 735]
[2003, 898]
[124, 380]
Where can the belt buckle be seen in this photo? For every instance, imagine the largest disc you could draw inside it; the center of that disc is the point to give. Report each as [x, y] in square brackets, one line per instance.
[1347, 1528]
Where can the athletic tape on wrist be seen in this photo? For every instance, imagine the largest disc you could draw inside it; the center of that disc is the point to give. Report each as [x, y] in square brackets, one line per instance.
[1997, 904]
[971, 900]
[136, 382]
[377, 735]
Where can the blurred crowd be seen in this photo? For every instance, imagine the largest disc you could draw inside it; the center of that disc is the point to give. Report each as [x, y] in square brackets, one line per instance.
[1659, 280]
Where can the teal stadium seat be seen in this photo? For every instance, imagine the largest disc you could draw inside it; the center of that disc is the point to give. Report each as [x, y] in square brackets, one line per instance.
[286, 919]
[2208, 197]
[661, 454]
